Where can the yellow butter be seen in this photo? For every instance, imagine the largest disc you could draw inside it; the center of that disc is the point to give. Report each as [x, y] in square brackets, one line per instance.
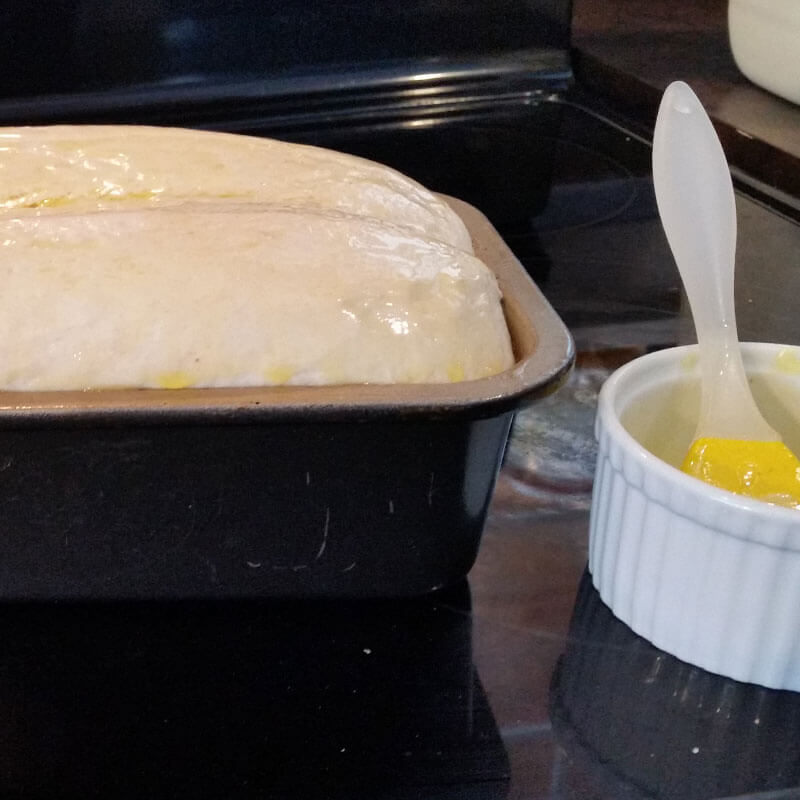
[455, 372]
[174, 380]
[767, 471]
[278, 375]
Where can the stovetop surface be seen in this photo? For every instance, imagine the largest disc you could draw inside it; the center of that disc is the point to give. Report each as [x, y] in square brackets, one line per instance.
[518, 683]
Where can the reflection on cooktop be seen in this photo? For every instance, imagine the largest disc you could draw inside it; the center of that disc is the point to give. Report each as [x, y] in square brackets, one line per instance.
[246, 699]
[640, 723]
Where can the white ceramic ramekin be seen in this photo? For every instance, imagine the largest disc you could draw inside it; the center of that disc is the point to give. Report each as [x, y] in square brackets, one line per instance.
[706, 575]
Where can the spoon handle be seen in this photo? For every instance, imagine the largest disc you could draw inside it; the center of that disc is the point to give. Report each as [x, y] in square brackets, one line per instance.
[696, 203]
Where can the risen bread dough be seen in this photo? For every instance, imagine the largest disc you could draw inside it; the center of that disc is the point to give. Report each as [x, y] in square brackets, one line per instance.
[89, 167]
[364, 280]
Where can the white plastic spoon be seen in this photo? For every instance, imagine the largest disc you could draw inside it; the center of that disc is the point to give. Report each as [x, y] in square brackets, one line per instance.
[696, 203]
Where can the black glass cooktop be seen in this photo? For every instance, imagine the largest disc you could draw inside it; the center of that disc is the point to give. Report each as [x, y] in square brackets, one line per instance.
[520, 684]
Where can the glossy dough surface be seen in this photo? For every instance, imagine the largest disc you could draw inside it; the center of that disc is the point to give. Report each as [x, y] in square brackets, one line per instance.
[365, 278]
[89, 167]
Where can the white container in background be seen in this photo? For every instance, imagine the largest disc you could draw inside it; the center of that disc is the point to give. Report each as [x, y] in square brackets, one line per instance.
[765, 41]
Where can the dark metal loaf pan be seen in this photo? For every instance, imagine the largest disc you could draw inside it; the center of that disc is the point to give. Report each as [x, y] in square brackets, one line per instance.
[354, 491]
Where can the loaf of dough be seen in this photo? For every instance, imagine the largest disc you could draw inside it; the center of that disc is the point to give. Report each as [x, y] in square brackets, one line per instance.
[90, 167]
[198, 280]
